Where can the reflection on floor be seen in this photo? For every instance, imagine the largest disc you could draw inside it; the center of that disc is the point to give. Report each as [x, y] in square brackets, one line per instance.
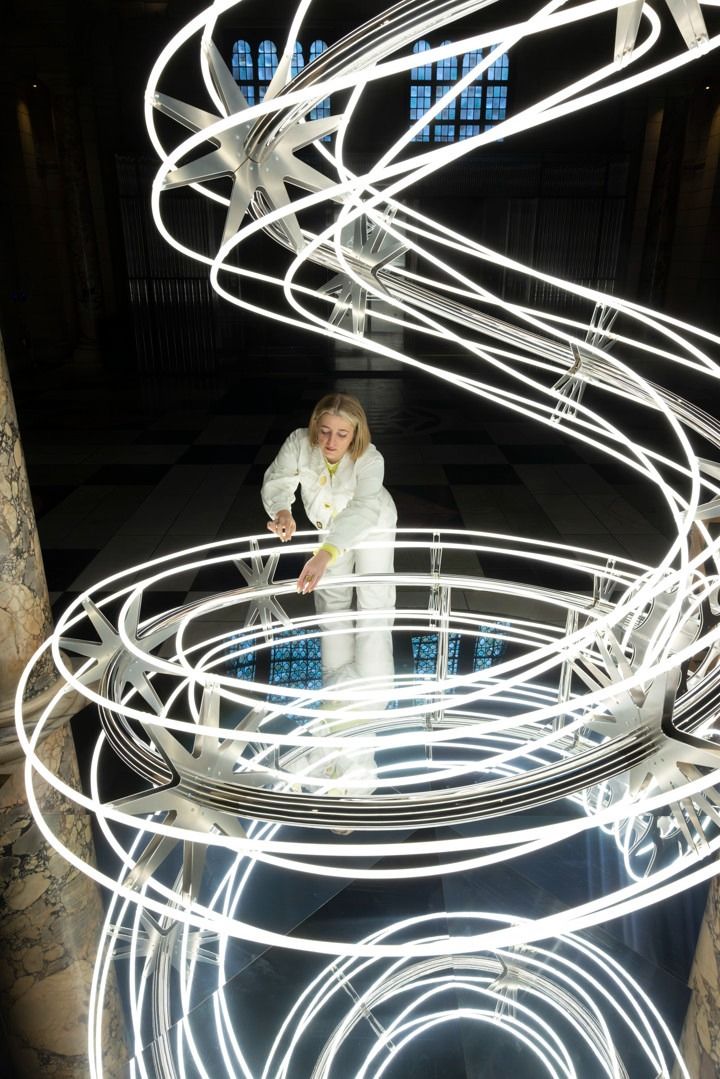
[124, 470]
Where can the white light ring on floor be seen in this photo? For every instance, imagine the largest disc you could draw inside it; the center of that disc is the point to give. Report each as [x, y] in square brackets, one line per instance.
[434, 987]
[330, 981]
[141, 715]
[587, 915]
[632, 993]
[487, 728]
[554, 958]
[621, 811]
[106, 811]
[412, 1028]
[172, 670]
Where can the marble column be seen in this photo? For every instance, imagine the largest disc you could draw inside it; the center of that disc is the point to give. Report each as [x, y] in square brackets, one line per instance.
[50, 913]
[700, 1042]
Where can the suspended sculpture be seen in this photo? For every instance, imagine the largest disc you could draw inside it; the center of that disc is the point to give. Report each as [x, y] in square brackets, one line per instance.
[594, 713]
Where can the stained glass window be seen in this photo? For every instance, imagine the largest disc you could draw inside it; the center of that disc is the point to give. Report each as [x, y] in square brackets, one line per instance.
[425, 653]
[295, 661]
[464, 117]
[488, 649]
[242, 667]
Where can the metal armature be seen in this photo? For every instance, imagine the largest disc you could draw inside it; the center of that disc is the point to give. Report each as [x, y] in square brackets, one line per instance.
[598, 718]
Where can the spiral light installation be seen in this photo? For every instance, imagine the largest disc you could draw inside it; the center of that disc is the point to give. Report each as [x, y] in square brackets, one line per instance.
[600, 705]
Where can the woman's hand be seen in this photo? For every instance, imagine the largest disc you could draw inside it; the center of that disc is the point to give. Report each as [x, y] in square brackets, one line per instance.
[312, 571]
[283, 525]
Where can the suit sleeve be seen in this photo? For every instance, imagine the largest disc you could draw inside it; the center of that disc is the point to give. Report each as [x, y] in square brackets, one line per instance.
[363, 510]
[282, 477]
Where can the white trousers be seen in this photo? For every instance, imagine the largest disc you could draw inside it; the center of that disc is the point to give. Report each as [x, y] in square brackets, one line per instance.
[354, 648]
[359, 648]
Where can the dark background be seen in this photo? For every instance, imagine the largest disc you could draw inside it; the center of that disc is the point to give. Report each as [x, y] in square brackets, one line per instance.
[624, 196]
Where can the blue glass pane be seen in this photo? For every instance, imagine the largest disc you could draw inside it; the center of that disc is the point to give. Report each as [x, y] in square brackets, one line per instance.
[298, 62]
[420, 99]
[295, 662]
[267, 60]
[495, 103]
[320, 110]
[242, 65]
[242, 666]
[446, 70]
[500, 69]
[471, 60]
[249, 91]
[488, 649]
[448, 113]
[471, 103]
[316, 49]
[468, 130]
[425, 71]
[425, 652]
[444, 133]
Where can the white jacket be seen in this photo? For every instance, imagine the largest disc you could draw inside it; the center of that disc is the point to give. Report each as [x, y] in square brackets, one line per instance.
[349, 504]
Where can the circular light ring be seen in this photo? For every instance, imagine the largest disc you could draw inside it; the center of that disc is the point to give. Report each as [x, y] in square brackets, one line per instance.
[590, 997]
[176, 904]
[413, 809]
[243, 806]
[641, 632]
[566, 996]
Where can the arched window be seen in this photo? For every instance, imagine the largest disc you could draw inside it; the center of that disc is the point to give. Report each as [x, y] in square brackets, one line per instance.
[298, 60]
[420, 91]
[255, 84]
[480, 106]
[242, 69]
[267, 62]
[323, 107]
[471, 98]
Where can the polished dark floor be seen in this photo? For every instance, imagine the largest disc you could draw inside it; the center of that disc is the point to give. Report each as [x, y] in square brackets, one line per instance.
[124, 469]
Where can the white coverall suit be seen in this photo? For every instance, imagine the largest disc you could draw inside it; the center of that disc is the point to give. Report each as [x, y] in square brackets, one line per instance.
[350, 505]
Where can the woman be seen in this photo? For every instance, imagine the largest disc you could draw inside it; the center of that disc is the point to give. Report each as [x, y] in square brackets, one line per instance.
[340, 475]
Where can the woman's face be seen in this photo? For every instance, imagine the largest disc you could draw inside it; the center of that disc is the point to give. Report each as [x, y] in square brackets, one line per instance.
[335, 434]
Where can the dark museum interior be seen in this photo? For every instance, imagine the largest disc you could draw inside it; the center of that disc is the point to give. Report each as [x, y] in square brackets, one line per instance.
[148, 410]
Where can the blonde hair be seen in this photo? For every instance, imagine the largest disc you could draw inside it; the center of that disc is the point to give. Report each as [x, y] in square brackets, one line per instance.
[342, 404]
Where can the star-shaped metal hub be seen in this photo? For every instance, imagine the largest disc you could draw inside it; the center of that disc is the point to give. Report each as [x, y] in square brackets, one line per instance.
[259, 180]
[371, 247]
